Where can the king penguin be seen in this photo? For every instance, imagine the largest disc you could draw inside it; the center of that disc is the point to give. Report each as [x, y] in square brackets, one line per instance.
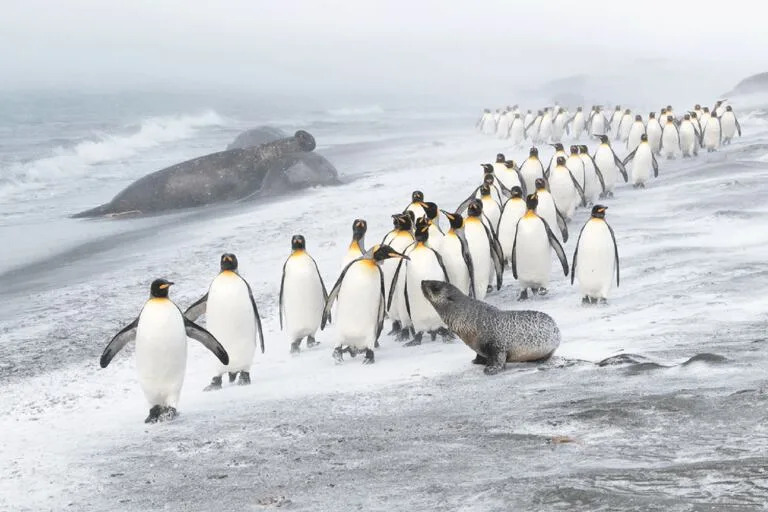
[509, 175]
[547, 210]
[615, 121]
[610, 165]
[689, 137]
[359, 315]
[729, 125]
[423, 264]
[455, 253]
[578, 123]
[231, 316]
[399, 238]
[302, 296]
[653, 129]
[712, 135]
[432, 214]
[417, 204]
[357, 246]
[670, 139]
[576, 166]
[596, 258]
[531, 251]
[594, 183]
[624, 125]
[565, 189]
[161, 333]
[513, 209]
[636, 129]
[643, 161]
[517, 133]
[531, 170]
[484, 250]
[559, 152]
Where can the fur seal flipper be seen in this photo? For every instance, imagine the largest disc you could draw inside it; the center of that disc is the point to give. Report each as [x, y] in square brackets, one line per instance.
[498, 337]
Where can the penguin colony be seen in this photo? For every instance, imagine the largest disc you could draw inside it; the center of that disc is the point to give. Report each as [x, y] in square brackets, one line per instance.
[516, 219]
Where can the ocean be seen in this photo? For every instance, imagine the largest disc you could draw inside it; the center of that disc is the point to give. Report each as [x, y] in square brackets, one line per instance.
[679, 426]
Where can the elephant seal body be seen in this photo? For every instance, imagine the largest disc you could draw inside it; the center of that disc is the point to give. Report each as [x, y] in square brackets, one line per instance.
[257, 137]
[221, 177]
[496, 336]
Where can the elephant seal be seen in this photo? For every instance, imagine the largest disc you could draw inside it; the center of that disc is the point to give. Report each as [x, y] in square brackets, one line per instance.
[496, 336]
[229, 175]
[257, 137]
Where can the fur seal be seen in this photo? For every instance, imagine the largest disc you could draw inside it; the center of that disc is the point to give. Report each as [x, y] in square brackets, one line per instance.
[230, 175]
[496, 336]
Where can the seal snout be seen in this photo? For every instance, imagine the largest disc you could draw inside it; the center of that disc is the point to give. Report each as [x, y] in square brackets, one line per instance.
[431, 289]
[306, 140]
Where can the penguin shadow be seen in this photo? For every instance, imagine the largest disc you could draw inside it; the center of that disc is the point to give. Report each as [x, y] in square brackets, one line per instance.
[636, 364]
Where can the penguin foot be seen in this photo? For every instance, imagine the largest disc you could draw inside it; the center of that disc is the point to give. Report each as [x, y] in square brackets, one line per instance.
[352, 351]
[154, 414]
[493, 370]
[433, 335]
[376, 344]
[396, 328]
[232, 377]
[338, 355]
[167, 414]
[489, 289]
[523, 294]
[369, 359]
[416, 340]
[480, 360]
[245, 379]
[295, 347]
[404, 334]
[603, 301]
[215, 384]
[312, 342]
[585, 300]
[445, 334]
[609, 194]
[542, 291]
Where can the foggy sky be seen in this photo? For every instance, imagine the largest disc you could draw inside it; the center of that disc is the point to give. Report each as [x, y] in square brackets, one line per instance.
[419, 48]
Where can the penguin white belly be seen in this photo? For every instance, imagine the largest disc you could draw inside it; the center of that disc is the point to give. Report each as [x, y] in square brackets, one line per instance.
[633, 139]
[592, 187]
[711, 139]
[303, 300]
[595, 262]
[535, 129]
[545, 128]
[517, 132]
[654, 135]
[417, 209]
[546, 210]
[563, 192]
[508, 178]
[161, 352]
[615, 122]
[492, 212]
[578, 125]
[605, 161]
[529, 118]
[728, 125]
[423, 266]
[230, 318]
[558, 128]
[513, 211]
[624, 128]
[455, 266]
[670, 142]
[356, 315]
[435, 237]
[489, 125]
[687, 139]
[532, 253]
[530, 172]
[502, 129]
[480, 251]
[574, 164]
[598, 125]
[642, 165]
[398, 242]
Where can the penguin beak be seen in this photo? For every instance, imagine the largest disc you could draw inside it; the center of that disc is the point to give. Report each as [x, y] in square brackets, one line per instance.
[395, 254]
[165, 285]
[450, 216]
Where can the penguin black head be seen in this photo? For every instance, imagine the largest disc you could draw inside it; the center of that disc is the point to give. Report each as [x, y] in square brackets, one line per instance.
[670, 119]
[578, 109]
[584, 149]
[663, 112]
[500, 158]
[487, 168]
[574, 150]
[517, 116]
[718, 103]
[644, 137]
[533, 152]
[455, 219]
[509, 164]
[159, 288]
[430, 209]
[417, 196]
[402, 221]
[485, 189]
[706, 109]
[627, 111]
[383, 252]
[714, 115]
[516, 192]
[475, 208]
[488, 179]
[697, 107]
[541, 183]
[652, 115]
[638, 117]
[687, 117]
[229, 260]
[422, 229]
[411, 216]
[694, 115]
[558, 146]
[561, 160]
[728, 108]
[598, 211]
[669, 108]
[532, 201]
[359, 227]
[604, 139]
[618, 108]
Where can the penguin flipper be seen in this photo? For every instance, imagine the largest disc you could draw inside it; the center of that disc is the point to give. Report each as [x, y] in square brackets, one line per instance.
[467, 260]
[576, 253]
[599, 174]
[381, 312]
[738, 126]
[513, 258]
[442, 265]
[496, 255]
[553, 241]
[655, 165]
[256, 314]
[322, 283]
[562, 225]
[615, 252]
[622, 167]
[407, 302]
[208, 340]
[280, 300]
[579, 188]
[629, 157]
[465, 204]
[393, 284]
[116, 344]
[197, 309]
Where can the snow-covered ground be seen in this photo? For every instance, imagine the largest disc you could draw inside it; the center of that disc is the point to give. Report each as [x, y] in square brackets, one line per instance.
[422, 429]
